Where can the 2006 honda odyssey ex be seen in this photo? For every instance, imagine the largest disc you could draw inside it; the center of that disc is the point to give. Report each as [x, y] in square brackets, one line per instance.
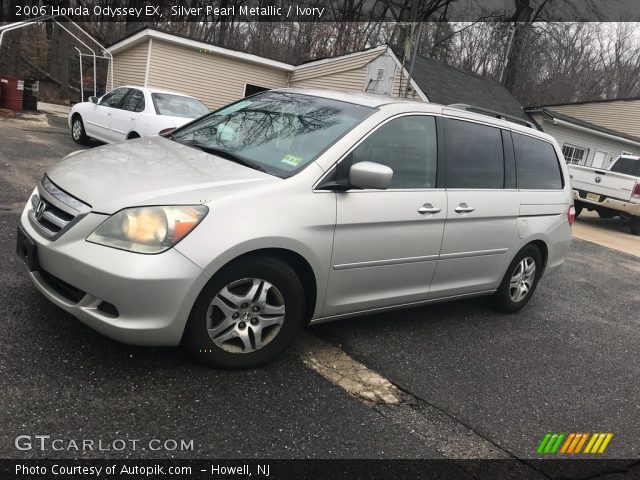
[292, 207]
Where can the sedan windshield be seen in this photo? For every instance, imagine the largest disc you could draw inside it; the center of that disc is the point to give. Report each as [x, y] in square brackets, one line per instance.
[178, 105]
[277, 132]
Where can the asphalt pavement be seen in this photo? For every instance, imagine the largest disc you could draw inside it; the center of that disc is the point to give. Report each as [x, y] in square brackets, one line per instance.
[569, 362]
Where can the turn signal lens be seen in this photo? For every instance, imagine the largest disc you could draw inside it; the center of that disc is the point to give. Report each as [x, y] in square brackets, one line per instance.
[571, 215]
[148, 229]
[636, 190]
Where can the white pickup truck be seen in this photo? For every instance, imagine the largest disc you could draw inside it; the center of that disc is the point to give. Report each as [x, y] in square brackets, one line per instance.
[613, 192]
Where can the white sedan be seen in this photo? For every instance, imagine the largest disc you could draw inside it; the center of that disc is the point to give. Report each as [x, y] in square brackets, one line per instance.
[132, 112]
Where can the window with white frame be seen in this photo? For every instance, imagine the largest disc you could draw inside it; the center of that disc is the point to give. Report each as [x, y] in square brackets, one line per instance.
[575, 155]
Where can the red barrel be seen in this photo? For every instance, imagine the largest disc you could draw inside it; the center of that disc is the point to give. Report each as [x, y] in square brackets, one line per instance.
[11, 92]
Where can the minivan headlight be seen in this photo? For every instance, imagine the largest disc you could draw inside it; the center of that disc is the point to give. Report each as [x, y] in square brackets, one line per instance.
[148, 229]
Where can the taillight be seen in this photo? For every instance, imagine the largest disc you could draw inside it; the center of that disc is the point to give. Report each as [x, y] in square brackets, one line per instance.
[636, 190]
[571, 215]
[166, 131]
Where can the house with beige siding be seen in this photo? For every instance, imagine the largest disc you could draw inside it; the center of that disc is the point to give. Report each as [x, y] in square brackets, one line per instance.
[587, 143]
[621, 115]
[218, 76]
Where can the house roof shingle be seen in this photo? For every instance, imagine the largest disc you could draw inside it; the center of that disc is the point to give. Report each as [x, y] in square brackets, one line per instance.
[446, 85]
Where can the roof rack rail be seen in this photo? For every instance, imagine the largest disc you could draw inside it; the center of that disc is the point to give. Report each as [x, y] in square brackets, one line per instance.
[492, 113]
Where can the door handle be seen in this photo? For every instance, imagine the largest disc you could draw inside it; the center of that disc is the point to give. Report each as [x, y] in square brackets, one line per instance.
[463, 208]
[428, 208]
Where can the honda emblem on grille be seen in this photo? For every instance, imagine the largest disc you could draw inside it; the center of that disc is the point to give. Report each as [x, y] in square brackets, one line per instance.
[40, 208]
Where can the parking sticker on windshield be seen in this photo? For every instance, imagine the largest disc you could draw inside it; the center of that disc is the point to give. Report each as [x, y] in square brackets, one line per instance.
[292, 160]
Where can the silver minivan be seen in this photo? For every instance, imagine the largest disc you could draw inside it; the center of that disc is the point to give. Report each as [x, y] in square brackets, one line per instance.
[294, 207]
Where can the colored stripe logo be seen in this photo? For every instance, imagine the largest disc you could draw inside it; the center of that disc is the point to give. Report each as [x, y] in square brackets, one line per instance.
[572, 443]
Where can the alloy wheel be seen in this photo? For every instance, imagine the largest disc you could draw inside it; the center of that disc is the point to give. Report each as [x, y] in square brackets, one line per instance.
[77, 129]
[522, 279]
[245, 315]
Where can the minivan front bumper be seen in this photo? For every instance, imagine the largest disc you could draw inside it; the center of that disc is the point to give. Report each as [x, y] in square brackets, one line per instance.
[132, 298]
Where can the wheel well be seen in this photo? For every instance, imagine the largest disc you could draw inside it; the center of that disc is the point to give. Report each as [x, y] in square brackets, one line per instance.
[299, 265]
[133, 135]
[76, 115]
[544, 251]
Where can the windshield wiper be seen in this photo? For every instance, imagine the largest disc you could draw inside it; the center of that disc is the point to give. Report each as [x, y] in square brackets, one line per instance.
[224, 154]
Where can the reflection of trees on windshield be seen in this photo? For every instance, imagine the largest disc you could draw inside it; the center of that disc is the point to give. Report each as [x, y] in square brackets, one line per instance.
[277, 118]
[279, 132]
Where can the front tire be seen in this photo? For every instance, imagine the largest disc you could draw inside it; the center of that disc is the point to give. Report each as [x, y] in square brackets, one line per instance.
[78, 133]
[519, 282]
[247, 315]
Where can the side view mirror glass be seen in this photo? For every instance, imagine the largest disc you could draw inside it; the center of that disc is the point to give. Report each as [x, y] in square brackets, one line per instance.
[370, 175]
[93, 99]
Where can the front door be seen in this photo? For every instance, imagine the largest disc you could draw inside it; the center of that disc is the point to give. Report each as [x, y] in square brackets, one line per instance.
[98, 121]
[387, 242]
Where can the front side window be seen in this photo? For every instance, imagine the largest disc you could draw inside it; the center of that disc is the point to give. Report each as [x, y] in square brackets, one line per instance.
[408, 146]
[278, 132]
[178, 105]
[112, 99]
[536, 164]
[475, 158]
[575, 155]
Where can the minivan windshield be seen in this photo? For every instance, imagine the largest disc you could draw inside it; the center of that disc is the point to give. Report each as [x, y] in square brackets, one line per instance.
[276, 132]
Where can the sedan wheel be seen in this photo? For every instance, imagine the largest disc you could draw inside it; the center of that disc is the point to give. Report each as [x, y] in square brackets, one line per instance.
[78, 133]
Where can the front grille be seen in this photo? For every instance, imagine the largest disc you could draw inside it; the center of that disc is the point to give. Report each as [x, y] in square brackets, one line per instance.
[48, 216]
[69, 292]
[53, 210]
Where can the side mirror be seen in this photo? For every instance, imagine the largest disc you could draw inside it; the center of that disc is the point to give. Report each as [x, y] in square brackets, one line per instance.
[370, 175]
[93, 99]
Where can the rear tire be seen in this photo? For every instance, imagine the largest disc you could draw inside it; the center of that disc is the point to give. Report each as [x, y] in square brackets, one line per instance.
[519, 282]
[78, 133]
[635, 225]
[247, 315]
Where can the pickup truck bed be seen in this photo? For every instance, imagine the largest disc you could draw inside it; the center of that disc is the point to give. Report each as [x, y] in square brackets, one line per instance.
[614, 192]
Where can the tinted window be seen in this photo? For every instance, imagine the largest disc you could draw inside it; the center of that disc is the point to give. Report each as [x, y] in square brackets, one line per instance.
[536, 164]
[628, 166]
[474, 156]
[408, 146]
[134, 101]
[112, 99]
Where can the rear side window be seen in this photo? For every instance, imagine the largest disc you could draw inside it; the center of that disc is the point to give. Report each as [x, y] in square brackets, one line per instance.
[537, 166]
[628, 166]
[474, 155]
[134, 101]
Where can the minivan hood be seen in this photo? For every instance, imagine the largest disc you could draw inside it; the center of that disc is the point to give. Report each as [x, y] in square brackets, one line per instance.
[150, 171]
